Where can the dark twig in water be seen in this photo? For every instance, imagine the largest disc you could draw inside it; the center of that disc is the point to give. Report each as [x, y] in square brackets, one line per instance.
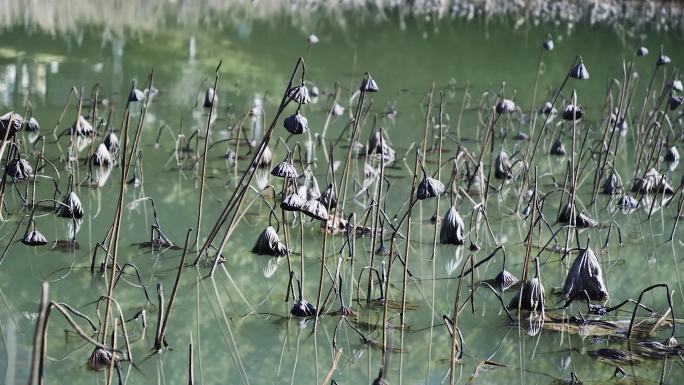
[160, 340]
[638, 302]
[234, 203]
[207, 132]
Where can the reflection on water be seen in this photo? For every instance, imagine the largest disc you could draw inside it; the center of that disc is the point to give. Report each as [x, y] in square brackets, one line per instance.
[238, 320]
[122, 16]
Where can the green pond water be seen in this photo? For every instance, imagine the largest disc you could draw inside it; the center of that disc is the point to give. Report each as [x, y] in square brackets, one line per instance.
[238, 320]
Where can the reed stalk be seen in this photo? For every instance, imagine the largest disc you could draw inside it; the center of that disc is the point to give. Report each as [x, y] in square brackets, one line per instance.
[200, 201]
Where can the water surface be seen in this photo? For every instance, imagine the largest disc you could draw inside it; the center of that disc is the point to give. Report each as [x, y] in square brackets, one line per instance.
[238, 320]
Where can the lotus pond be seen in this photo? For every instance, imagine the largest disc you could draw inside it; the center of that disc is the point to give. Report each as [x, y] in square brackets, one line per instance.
[428, 146]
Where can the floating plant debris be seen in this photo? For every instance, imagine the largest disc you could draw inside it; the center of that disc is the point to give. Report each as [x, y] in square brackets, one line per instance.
[523, 174]
[505, 106]
[612, 184]
[268, 243]
[502, 166]
[209, 97]
[429, 188]
[34, 238]
[451, 232]
[557, 148]
[579, 71]
[302, 308]
[135, 95]
[580, 219]
[285, 169]
[300, 94]
[82, 127]
[583, 221]
[100, 359]
[328, 198]
[296, 124]
[572, 112]
[314, 209]
[627, 202]
[70, 207]
[102, 157]
[672, 154]
[369, 85]
[19, 169]
[292, 202]
[111, 141]
[585, 275]
[652, 182]
[10, 123]
[530, 297]
[663, 60]
[675, 101]
[505, 279]
[616, 357]
[547, 109]
[32, 125]
[378, 146]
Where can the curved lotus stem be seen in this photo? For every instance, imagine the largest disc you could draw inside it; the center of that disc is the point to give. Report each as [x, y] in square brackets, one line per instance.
[580, 294]
[189, 139]
[54, 168]
[449, 323]
[32, 223]
[23, 198]
[161, 128]
[610, 228]
[623, 303]
[16, 230]
[553, 237]
[290, 290]
[129, 352]
[156, 226]
[38, 139]
[137, 168]
[386, 220]
[13, 145]
[72, 92]
[154, 208]
[638, 302]
[364, 339]
[65, 312]
[78, 314]
[272, 213]
[284, 142]
[137, 274]
[377, 274]
[98, 245]
[299, 286]
[487, 258]
[498, 296]
[367, 212]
